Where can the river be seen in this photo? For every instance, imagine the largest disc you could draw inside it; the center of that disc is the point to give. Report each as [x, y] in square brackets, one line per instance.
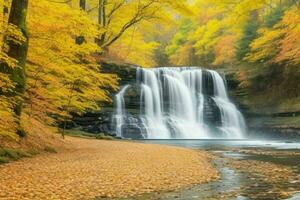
[249, 169]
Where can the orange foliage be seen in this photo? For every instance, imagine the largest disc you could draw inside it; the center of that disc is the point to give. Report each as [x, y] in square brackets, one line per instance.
[280, 43]
[225, 50]
[184, 56]
[290, 44]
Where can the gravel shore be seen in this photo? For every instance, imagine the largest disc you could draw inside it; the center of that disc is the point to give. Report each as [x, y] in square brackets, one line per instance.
[94, 169]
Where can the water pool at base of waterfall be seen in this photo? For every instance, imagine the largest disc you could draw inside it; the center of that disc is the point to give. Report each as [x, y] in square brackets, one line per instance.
[214, 144]
[249, 169]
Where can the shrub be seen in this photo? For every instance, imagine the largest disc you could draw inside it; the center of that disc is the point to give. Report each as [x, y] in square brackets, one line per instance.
[102, 136]
[33, 152]
[3, 160]
[7, 154]
[49, 149]
[21, 133]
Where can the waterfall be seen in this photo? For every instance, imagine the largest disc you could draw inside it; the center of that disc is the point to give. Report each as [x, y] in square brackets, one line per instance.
[181, 103]
[233, 124]
[120, 111]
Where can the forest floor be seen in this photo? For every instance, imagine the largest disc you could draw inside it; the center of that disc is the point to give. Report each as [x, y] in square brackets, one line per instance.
[90, 169]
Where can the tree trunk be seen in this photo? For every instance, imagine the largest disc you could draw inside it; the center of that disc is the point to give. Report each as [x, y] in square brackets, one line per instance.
[82, 4]
[64, 129]
[101, 21]
[80, 39]
[17, 51]
[4, 11]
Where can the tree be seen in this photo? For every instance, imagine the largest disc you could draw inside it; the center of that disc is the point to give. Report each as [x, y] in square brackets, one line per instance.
[278, 43]
[118, 16]
[82, 5]
[225, 51]
[249, 35]
[17, 50]
[63, 77]
[13, 61]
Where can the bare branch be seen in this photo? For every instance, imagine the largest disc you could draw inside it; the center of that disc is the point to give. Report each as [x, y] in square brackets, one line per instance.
[142, 13]
[114, 9]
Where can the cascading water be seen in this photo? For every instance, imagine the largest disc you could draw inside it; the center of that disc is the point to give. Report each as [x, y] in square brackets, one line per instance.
[120, 112]
[181, 103]
[233, 124]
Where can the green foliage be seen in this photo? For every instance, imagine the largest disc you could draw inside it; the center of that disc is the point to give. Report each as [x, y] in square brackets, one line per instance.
[50, 149]
[4, 160]
[7, 154]
[80, 134]
[249, 34]
[83, 134]
[12, 154]
[180, 37]
[102, 136]
[33, 152]
[273, 17]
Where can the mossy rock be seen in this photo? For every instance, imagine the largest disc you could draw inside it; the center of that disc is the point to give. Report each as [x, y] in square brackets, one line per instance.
[7, 155]
[49, 149]
[102, 136]
[33, 152]
[4, 160]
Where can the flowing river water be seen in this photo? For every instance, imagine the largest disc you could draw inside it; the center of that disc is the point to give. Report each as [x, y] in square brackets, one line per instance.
[264, 170]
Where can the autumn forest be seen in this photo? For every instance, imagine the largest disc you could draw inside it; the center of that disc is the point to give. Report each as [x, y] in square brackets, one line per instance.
[97, 95]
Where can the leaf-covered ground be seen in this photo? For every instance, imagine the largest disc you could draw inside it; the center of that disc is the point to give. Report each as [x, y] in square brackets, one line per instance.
[95, 169]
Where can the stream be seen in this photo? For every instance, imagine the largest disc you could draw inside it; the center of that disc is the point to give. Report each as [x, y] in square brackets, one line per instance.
[248, 169]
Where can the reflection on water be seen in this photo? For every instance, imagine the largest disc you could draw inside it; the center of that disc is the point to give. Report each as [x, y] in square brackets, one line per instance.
[236, 184]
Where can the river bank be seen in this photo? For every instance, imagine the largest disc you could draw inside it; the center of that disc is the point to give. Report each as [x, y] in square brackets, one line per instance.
[104, 169]
[248, 169]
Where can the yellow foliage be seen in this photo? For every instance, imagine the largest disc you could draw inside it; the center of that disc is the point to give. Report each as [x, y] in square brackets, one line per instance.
[218, 26]
[8, 32]
[207, 36]
[8, 126]
[290, 44]
[280, 43]
[266, 46]
[128, 26]
[63, 77]
[132, 48]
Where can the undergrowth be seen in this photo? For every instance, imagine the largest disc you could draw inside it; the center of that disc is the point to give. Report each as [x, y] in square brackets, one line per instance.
[82, 134]
[7, 155]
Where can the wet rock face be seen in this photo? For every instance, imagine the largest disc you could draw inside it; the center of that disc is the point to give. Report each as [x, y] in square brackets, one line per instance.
[101, 121]
[212, 112]
[126, 73]
[132, 98]
[208, 85]
[132, 131]
[96, 122]
[261, 124]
